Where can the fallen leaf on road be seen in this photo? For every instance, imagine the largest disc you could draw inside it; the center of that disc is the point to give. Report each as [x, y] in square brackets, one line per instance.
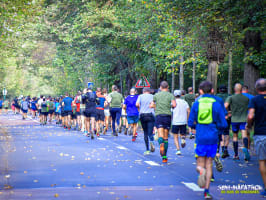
[56, 195]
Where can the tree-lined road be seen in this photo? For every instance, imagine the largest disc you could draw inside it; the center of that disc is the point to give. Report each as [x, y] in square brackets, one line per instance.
[47, 162]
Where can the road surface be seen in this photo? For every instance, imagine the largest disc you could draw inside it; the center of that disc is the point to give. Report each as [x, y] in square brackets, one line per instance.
[48, 162]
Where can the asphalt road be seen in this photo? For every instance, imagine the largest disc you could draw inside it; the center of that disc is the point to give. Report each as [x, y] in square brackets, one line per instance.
[47, 162]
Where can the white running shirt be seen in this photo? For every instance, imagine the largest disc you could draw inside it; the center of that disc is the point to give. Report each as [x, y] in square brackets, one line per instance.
[180, 112]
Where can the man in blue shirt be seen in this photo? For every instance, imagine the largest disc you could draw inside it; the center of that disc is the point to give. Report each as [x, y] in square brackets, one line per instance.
[66, 103]
[132, 112]
[207, 115]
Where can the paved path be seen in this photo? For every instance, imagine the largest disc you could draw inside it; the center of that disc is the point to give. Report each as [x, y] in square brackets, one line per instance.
[47, 162]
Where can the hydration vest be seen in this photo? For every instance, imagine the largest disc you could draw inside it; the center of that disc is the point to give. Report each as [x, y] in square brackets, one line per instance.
[205, 110]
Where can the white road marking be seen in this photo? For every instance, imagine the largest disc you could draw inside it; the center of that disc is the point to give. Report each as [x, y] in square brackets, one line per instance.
[121, 147]
[100, 138]
[152, 163]
[193, 187]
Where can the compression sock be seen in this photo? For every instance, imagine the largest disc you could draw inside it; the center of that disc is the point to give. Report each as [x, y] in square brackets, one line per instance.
[235, 144]
[245, 142]
[160, 140]
[165, 146]
[223, 148]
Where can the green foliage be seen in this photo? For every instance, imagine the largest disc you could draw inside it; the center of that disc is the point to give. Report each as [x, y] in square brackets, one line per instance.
[56, 46]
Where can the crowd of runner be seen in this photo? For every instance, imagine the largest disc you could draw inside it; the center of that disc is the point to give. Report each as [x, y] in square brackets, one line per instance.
[204, 116]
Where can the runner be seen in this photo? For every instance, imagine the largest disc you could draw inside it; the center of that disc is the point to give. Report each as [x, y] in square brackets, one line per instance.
[74, 115]
[107, 115]
[179, 121]
[207, 133]
[249, 96]
[162, 102]
[61, 111]
[17, 106]
[44, 111]
[24, 108]
[51, 106]
[190, 98]
[57, 111]
[115, 100]
[82, 118]
[77, 101]
[147, 119]
[239, 106]
[100, 112]
[225, 133]
[1, 105]
[66, 103]
[34, 107]
[6, 104]
[132, 112]
[90, 99]
[257, 114]
[39, 106]
[125, 122]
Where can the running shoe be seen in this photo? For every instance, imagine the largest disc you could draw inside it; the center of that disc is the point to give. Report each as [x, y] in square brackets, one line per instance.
[85, 133]
[162, 149]
[212, 178]
[178, 152]
[92, 136]
[134, 138]
[263, 193]
[125, 133]
[104, 131]
[218, 164]
[202, 178]
[165, 159]
[225, 154]
[191, 136]
[207, 195]
[115, 134]
[183, 143]
[236, 158]
[136, 134]
[152, 146]
[98, 134]
[120, 129]
[146, 153]
[246, 154]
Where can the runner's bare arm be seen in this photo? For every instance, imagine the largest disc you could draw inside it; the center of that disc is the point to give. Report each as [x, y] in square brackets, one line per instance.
[188, 113]
[152, 105]
[250, 118]
[173, 103]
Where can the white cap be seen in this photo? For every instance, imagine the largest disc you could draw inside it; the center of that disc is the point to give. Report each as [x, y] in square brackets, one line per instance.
[177, 93]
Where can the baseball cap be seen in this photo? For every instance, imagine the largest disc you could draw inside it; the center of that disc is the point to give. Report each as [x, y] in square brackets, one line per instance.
[177, 93]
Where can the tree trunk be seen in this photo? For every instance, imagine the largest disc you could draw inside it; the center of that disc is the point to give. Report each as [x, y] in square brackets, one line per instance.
[121, 83]
[181, 73]
[212, 74]
[194, 73]
[173, 78]
[252, 44]
[230, 70]
[251, 75]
